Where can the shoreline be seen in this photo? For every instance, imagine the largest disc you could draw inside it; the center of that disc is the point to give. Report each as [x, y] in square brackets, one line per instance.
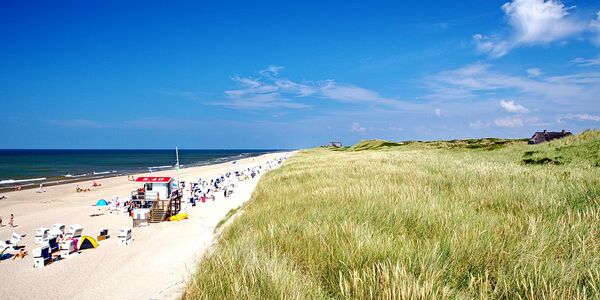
[30, 186]
[156, 265]
[61, 179]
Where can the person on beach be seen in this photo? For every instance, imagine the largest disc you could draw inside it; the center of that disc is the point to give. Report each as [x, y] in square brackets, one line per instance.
[11, 221]
[21, 254]
[59, 238]
[0, 221]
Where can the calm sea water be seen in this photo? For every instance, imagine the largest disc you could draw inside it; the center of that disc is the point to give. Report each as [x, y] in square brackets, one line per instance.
[35, 166]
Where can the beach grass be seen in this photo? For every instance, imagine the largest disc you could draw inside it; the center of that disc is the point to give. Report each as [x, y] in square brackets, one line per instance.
[443, 220]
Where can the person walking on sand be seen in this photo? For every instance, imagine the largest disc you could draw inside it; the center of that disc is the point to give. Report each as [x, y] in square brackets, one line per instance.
[0, 221]
[11, 221]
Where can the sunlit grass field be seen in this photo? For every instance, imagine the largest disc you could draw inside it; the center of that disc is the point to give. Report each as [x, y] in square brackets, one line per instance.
[417, 221]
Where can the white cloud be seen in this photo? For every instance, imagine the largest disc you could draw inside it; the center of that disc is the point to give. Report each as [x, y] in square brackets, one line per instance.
[579, 117]
[509, 122]
[357, 128]
[261, 101]
[480, 81]
[248, 82]
[271, 90]
[474, 91]
[392, 128]
[531, 22]
[332, 90]
[493, 46]
[354, 94]
[478, 124]
[595, 27]
[301, 90]
[540, 21]
[519, 121]
[438, 112]
[512, 107]
[587, 62]
[534, 72]
[271, 70]
[251, 86]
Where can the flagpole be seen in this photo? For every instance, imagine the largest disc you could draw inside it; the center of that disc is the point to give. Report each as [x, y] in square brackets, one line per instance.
[177, 165]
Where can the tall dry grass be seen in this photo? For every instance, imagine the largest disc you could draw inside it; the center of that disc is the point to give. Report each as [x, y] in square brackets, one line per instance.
[412, 223]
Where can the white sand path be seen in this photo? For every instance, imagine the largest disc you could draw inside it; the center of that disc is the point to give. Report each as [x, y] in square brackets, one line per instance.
[154, 266]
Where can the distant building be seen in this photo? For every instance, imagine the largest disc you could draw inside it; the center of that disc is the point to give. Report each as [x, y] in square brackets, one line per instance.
[335, 144]
[545, 136]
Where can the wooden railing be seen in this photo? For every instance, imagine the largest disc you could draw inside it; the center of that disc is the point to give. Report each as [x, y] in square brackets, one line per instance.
[174, 205]
[167, 207]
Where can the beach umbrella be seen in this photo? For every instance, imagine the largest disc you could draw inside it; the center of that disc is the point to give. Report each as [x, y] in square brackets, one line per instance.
[101, 202]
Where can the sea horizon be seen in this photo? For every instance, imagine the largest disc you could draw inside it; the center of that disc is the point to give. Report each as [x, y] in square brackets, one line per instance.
[27, 167]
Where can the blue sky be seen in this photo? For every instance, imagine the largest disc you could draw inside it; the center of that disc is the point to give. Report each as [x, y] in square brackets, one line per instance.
[273, 74]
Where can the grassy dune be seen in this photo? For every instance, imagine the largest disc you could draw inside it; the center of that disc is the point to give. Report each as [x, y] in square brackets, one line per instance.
[417, 221]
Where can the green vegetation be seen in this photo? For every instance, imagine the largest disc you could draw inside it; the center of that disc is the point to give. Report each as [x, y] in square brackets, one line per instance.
[374, 145]
[583, 149]
[479, 144]
[229, 214]
[417, 221]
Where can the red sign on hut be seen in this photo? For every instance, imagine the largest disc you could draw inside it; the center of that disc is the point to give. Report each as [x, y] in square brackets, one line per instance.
[153, 179]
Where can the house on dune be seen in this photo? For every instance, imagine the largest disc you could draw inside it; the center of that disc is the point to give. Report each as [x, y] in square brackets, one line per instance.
[545, 136]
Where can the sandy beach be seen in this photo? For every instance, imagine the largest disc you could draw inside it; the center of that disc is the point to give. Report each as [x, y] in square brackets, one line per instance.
[154, 266]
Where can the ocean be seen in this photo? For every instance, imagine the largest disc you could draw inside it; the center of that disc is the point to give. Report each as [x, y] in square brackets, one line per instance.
[32, 167]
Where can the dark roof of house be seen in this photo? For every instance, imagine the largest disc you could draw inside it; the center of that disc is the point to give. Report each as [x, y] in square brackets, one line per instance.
[544, 136]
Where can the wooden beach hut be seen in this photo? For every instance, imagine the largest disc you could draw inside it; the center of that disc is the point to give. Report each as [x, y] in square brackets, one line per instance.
[156, 201]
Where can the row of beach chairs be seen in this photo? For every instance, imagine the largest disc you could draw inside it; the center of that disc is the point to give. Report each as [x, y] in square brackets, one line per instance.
[13, 243]
[47, 238]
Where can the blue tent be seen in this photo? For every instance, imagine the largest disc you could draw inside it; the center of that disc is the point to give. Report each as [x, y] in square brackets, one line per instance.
[101, 202]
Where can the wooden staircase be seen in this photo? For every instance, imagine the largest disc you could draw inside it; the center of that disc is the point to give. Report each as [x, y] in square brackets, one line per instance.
[162, 209]
[158, 213]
